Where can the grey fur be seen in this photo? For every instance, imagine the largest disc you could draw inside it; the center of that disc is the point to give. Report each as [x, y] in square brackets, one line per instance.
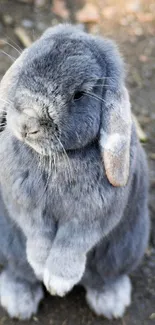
[72, 223]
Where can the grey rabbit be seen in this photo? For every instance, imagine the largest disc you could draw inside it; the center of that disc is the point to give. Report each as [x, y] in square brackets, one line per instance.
[73, 175]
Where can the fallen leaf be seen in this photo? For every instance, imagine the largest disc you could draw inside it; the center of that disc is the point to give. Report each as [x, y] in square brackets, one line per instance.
[143, 58]
[26, 1]
[132, 6]
[141, 134]
[94, 29]
[151, 30]
[152, 316]
[59, 9]
[152, 156]
[23, 36]
[51, 322]
[64, 322]
[138, 31]
[88, 14]
[109, 12]
[8, 20]
[145, 17]
[144, 120]
[2, 320]
[3, 42]
[127, 20]
[40, 3]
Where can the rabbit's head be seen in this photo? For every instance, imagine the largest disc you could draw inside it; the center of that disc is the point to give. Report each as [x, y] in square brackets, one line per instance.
[67, 91]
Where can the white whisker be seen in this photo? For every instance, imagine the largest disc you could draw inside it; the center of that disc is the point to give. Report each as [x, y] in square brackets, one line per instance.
[5, 101]
[68, 160]
[102, 78]
[10, 57]
[95, 97]
[14, 42]
[13, 47]
[103, 85]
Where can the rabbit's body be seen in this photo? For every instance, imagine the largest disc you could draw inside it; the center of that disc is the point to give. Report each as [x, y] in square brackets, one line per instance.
[25, 184]
[73, 224]
[115, 255]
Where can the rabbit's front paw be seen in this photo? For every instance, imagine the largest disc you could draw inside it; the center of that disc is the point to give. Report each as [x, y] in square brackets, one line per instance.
[61, 276]
[37, 254]
[56, 285]
[37, 267]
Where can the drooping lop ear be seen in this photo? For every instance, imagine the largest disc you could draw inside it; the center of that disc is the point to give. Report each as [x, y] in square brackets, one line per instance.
[115, 136]
[8, 84]
[116, 122]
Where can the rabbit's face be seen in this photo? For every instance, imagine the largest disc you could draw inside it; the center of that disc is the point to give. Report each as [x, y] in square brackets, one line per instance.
[55, 105]
[67, 90]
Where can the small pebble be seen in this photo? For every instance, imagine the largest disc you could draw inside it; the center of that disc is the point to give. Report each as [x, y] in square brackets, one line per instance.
[41, 26]
[27, 23]
[8, 20]
[51, 322]
[138, 31]
[1, 27]
[40, 3]
[26, 1]
[143, 58]
[88, 14]
[152, 155]
[152, 316]
[2, 42]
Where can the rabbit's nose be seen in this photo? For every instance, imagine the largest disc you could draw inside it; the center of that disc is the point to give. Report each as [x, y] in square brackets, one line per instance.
[29, 132]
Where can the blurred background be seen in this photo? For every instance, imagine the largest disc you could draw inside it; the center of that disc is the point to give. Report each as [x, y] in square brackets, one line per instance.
[132, 24]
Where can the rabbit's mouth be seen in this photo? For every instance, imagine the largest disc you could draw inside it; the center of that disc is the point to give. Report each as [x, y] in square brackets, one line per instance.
[43, 147]
[40, 136]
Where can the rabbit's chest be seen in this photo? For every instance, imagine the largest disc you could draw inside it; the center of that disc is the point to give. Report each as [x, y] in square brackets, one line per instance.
[63, 189]
[30, 191]
[20, 187]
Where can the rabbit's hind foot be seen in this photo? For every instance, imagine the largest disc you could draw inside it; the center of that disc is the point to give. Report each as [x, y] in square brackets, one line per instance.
[112, 301]
[19, 298]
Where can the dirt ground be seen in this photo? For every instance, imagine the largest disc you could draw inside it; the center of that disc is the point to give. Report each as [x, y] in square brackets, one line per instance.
[132, 24]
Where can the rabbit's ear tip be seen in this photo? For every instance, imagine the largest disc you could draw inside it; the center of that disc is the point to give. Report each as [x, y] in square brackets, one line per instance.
[116, 167]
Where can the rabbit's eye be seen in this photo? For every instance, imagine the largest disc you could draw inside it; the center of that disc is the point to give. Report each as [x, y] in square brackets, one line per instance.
[78, 95]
